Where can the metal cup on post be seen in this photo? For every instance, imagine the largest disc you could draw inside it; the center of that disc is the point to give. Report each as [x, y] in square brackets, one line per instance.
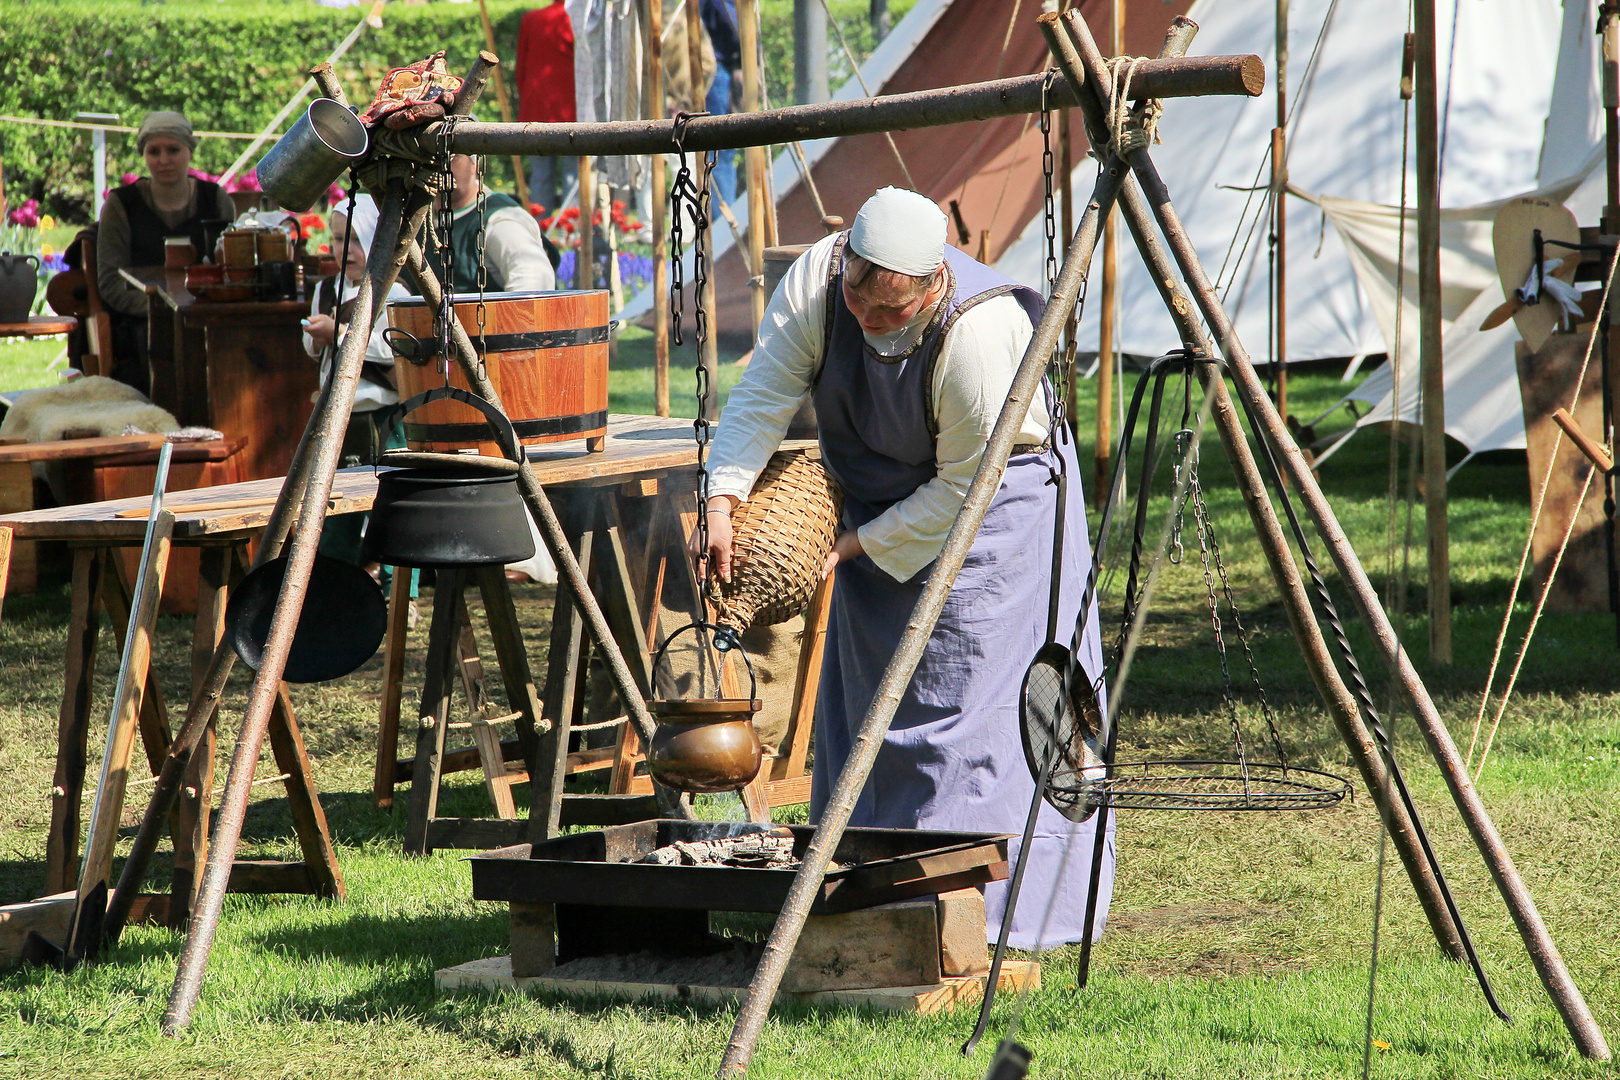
[316, 150]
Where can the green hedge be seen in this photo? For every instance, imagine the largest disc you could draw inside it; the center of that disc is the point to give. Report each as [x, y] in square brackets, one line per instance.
[231, 64]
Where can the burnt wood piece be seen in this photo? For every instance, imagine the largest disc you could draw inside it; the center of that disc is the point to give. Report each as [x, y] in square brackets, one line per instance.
[591, 929]
[533, 939]
[890, 864]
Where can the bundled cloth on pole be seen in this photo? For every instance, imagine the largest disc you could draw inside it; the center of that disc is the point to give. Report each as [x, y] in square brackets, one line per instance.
[609, 44]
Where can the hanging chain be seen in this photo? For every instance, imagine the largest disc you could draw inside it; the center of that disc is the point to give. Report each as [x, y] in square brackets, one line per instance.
[1046, 177]
[1242, 632]
[482, 273]
[445, 220]
[1206, 541]
[695, 197]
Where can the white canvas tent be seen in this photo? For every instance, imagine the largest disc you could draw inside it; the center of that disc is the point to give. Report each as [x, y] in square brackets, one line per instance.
[1481, 380]
[1496, 70]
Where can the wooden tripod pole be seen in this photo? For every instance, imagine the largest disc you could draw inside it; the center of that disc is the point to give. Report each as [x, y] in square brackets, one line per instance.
[1336, 696]
[1566, 996]
[400, 218]
[1103, 454]
[1430, 356]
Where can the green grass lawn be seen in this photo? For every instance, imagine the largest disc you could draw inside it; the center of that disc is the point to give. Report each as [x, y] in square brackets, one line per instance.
[1239, 944]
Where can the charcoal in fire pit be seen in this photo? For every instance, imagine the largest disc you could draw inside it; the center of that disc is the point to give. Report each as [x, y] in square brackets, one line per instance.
[754, 850]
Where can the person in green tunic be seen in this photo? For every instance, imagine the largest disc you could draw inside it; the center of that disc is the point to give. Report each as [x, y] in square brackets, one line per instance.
[515, 258]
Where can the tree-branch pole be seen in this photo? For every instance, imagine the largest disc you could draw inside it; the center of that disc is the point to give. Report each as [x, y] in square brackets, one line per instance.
[1191, 77]
[1430, 352]
[919, 628]
[205, 702]
[1336, 696]
[1566, 996]
[401, 217]
[382, 268]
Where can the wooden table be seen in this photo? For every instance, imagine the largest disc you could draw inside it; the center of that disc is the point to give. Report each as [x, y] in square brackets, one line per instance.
[237, 367]
[40, 326]
[639, 454]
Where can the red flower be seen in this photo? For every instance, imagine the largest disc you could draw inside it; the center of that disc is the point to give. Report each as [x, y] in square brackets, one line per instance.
[537, 210]
[311, 222]
[325, 249]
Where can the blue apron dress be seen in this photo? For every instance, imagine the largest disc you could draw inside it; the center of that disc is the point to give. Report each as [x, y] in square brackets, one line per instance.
[953, 757]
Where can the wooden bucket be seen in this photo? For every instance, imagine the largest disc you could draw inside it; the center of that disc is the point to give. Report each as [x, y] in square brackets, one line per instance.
[546, 353]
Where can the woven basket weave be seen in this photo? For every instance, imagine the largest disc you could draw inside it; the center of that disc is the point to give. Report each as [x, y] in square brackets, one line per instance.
[780, 540]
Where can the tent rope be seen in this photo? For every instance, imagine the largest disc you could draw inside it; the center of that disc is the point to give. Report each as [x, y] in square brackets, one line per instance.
[1524, 557]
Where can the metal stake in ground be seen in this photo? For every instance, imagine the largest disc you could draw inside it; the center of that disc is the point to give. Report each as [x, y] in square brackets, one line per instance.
[868, 740]
[1538, 942]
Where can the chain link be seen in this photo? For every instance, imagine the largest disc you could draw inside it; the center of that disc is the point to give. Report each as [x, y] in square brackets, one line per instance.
[1046, 177]
[688, 196]
[1201, 511]
[445, 220]
[482, 273]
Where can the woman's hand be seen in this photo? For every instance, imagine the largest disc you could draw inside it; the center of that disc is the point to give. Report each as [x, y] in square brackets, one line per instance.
[846, 547]
[719, 518]
[321, 330]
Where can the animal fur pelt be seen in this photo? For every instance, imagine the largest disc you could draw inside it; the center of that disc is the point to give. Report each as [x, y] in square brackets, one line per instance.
[94, 404]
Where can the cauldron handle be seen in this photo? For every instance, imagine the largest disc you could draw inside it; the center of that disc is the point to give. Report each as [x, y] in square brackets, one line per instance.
[726, 640]
[505, 433]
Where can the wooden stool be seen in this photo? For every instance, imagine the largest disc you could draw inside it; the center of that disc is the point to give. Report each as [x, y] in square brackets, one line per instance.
[99, 580]
[593, 517]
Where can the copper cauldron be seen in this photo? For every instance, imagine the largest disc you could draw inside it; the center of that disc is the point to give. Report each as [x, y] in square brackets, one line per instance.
[708, 745]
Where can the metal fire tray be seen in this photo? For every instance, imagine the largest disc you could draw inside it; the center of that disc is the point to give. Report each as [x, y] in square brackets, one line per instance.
[881, 866]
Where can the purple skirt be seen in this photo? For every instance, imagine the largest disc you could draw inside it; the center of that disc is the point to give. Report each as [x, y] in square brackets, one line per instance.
[953, 757]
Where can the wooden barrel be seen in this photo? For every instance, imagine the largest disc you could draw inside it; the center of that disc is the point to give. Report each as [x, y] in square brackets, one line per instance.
[546, 353]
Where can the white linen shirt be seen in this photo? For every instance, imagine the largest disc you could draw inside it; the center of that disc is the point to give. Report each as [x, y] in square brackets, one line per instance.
[975, 370]
[512, 245]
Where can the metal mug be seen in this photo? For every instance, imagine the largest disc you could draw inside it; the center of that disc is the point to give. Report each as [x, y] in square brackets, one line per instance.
[308, 160]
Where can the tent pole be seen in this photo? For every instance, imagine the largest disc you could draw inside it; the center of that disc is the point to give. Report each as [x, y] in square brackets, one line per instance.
[1609, 25]
[660, 211]
[1429, 351]
[1104, 451]
[754, 158]
[1279, 211]
[1543, 951]
[504, 103]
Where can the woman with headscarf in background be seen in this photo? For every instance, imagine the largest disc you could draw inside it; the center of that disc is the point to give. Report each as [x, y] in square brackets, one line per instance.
[135, 221]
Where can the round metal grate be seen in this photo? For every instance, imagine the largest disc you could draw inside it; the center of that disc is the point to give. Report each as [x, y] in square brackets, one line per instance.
[1211, 785]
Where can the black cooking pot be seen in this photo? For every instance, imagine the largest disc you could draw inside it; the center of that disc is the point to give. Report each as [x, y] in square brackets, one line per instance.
[451, 509]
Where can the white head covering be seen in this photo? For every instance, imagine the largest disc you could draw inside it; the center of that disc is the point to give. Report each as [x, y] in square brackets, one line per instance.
[362, 223]
[900, 230]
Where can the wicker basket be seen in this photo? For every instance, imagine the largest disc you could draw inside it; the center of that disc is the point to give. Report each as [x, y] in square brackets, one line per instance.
[780, 540]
